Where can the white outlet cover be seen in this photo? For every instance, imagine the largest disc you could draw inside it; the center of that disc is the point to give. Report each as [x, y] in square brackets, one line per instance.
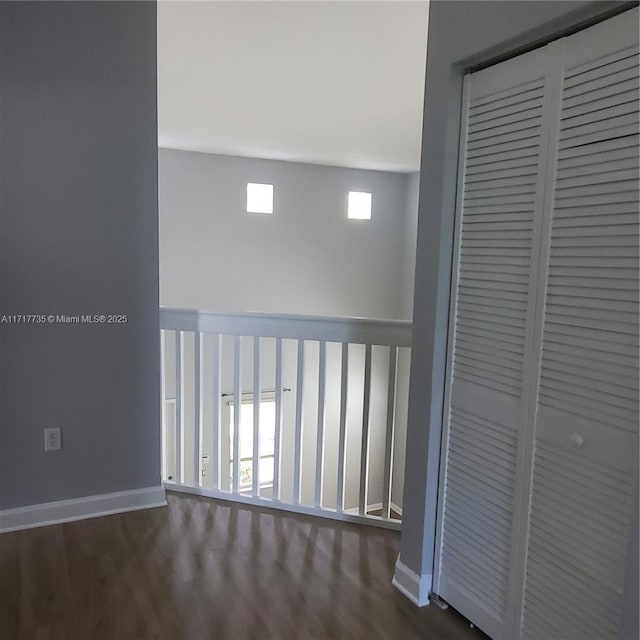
[52, 440]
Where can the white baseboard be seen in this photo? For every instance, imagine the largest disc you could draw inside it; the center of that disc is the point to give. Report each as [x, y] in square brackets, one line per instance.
[410, 584]
[375, 506]
[41, 515]
[370, 507]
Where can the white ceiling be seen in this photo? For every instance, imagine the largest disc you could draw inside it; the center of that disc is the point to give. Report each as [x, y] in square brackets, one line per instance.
[337, 83]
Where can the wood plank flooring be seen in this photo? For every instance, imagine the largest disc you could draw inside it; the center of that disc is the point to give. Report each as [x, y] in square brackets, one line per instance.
[209, 570]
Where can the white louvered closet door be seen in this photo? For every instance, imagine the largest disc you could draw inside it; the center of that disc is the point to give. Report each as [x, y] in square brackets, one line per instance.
[500, 204]
[586, 431]
[540, 445]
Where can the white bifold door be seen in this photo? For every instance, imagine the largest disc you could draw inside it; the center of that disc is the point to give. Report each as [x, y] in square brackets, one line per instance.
[540, 449]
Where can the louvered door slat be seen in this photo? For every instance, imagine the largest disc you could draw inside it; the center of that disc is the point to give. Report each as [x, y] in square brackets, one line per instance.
[517, 168]
[491, 151]
[619, 159]
[497, 120]
[587, 419]
[521, 109]
[599, 177]
[599, 104]
[611, 82]
[493, 98]
[524, 153]
[601, 67]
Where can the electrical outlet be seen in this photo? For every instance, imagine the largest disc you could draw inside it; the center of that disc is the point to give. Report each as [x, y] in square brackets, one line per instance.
[52, 439]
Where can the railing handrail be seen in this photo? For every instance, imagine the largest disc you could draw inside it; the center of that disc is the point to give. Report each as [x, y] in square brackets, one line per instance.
[396, 333]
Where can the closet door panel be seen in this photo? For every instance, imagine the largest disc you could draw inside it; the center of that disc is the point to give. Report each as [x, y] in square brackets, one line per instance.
[499, 208]
[586, 433]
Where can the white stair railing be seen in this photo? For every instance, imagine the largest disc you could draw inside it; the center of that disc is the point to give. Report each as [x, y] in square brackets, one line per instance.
[302, 413]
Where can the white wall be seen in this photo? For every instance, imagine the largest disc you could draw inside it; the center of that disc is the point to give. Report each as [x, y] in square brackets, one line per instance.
[306, 258]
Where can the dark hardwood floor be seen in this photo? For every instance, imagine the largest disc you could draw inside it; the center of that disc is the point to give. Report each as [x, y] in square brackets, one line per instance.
[206, 570]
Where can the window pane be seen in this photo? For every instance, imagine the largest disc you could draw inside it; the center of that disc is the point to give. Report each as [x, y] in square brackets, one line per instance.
[246, 472]
[259, 198]
[359, 205]
[267, 419]
[246, 430]
[266, 445]
[266, 470]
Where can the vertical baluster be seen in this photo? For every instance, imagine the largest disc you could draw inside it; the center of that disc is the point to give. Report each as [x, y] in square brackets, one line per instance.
[342, 437]
[390, 432]
[364, 447]
[216, 466]
[237, 402]
[278, 425]
[320, 432]
[179, 346]
[297, 466]
[255, 472]
[163, 406]
[198, 398]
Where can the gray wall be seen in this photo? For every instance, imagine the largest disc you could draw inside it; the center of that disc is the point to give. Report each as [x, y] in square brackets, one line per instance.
[306, 258]
[460, 35]
[78, 185]
[410, 232]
